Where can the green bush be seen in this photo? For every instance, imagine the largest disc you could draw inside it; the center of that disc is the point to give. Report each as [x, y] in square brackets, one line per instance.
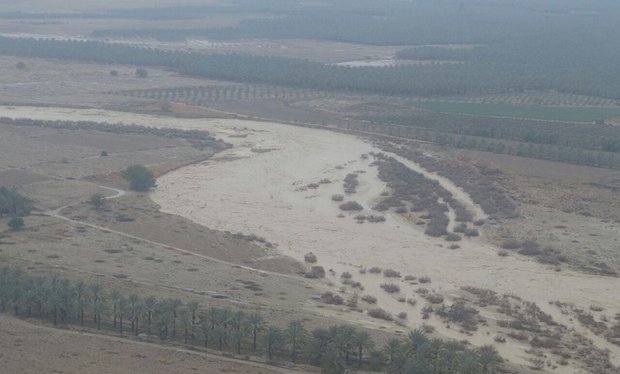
[139, 177]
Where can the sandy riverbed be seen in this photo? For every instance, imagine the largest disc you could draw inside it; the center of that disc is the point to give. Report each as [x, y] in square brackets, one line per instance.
[255, 187]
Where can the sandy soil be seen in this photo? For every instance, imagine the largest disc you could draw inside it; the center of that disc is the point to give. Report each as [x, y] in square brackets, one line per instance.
[256, 188]
[27, 348]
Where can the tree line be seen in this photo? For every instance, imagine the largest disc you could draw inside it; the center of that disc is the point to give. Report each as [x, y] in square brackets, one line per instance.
[334, 349]
[483, 77]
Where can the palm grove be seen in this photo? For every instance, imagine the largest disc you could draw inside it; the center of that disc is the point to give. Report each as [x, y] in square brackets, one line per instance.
[334, 349]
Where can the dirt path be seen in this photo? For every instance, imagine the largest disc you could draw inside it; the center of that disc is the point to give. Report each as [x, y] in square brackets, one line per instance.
[258, 187]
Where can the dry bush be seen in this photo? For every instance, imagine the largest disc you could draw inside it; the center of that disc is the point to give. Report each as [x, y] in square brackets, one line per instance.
[460, 228]
[421, 291]
[412, 302]
[410, 277]
[530, 248]
[380, 314]
[454, 246]
[434, 298]
[375, 219]
[351, 206]
[424, 279]
[511, 244]
[374, 270]
[402, 315]
[472, 233]
[391, 273]
[500, 338]
[315, 272]
[331, 299]
[346, 275]
[310, 257]
[502, 253]
[369, 299]
[452, 237]
[350, 183]
[390, 287]
[338, 197]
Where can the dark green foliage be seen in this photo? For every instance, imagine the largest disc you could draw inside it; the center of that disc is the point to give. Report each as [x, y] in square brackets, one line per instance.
[97, 200]
[13, 203]
[141, 73]
[139, 177]
[16, 223]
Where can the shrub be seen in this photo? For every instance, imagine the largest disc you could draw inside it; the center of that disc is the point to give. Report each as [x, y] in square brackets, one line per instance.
[103, 154]
[375, 219]
[511, 244]
[310, 258]
[452, 237]
[454, 246]
[434, 298]
[346, 275]
[16, 223]
[390, 287]
[502, 253]
[141, 73]
[331, 299]
[350, 183]
[374, 270]
[424, 279]
[139, 177]
[461, 227]
[410, 277]
[500, 338]
[338, 197]
[479, 222]
[97, 201]
[315, 272]
[369, 299]
[402, 315]
[391, 273]
[471, 233]
[380, 314]
[530, 248]
[351, 206]
[20, 65]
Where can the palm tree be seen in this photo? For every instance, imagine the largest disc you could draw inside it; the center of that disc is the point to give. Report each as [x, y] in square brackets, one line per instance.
[273, 338]
[133, 302]
[174, 305]
[238, 335]
[489, 358]
[363, 341]
[256, 324]
[95, 294]
[115, 296]
[80, 301]
[186, 323]
[392, 347]
[205, 328]
[122, 308]
[193, 307]
[98, 309]
[219, 334]
[415, 340]
[150, 304]
[296, 334]
[317, 346]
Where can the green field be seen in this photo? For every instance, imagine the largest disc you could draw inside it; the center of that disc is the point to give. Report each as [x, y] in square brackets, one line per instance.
[548, 113]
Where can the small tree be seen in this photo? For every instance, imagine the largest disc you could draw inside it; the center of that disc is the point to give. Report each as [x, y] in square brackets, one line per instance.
[97, 200]
[139, 177]
[16, 223]
[141, 73]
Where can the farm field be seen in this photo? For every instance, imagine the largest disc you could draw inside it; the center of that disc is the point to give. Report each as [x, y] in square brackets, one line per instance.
[544, 113]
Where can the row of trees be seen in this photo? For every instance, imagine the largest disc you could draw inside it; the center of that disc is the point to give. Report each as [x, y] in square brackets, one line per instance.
[482, 77]
[334, 349]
